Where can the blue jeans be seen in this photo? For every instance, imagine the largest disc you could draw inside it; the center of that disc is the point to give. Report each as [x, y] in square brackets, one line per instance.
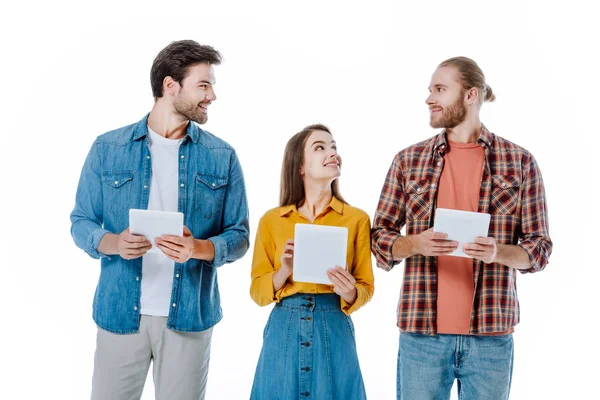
[428, 365]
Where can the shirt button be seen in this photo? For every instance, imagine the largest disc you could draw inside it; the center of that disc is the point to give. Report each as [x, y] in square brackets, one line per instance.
[176, 275]
[137, 278]
[174, 305]
[135, 308]
[182, 185]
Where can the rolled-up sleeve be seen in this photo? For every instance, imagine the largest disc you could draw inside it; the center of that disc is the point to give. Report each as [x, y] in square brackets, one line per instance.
[233, 242]
[389, 217]
[534, 235]
[86, 217]
[361, 268]
[263, 266]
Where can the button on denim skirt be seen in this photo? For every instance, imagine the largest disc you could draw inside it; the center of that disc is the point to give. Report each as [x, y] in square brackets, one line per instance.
[309, 352]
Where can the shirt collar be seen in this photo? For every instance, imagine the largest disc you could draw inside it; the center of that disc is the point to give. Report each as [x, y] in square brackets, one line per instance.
[486, 138]
[141, 130]
[335, 204]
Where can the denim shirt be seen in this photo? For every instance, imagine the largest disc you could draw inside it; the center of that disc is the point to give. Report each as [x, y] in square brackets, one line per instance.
[116, 177]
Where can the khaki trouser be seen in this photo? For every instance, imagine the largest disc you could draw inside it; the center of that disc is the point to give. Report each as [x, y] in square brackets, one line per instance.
[180, 361]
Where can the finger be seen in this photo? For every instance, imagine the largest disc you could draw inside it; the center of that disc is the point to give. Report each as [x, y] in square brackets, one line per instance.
[476, 253]
[135, 254]
[474, 246]
[346, 274]
[174, 249]
[138, 245]
[442, 252]
[439, 235]
[334, 279]
[444, 243]
[168, 251]
[130, 238]
[173, 239]
[172, 245]
[342, 280]
[484, 240]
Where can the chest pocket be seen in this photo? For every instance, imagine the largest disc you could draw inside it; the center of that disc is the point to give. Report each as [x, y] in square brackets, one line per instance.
[209, 195]
[504, 198]
[116, 189]
[417, 199]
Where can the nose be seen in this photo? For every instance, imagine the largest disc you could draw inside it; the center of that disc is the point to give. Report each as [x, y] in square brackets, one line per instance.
[429, 100]
[333, 154]
[210, 94]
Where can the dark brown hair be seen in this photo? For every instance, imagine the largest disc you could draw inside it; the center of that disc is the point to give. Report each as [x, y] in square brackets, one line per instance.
[292, 187]
[175, 59]
[471, 76]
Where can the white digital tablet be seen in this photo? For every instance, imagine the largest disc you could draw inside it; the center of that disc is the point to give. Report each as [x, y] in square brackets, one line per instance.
[316, 249]
[152, 224]
[461, 226]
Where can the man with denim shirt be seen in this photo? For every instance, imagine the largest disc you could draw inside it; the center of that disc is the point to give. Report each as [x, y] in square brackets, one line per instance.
[161, 307]
[456, 315]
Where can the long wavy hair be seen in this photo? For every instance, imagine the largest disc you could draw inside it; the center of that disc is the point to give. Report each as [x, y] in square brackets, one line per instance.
[291, 190]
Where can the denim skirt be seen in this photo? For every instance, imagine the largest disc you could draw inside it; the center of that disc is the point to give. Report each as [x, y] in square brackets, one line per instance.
[309, 352]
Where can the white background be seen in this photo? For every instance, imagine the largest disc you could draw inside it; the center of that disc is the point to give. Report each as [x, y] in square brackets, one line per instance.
[71, 71]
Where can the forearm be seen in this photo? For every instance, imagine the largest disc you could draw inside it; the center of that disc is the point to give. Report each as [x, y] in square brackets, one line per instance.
[350, 297]
[203, 250]
[109, 244]
[279, 278]
[403, 247]
[513, 256]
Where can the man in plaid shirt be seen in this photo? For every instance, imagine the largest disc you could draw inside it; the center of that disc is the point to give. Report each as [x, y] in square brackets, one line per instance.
[456, 315]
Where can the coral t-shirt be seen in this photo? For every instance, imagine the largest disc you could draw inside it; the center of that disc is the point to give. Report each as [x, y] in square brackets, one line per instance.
[459, 190]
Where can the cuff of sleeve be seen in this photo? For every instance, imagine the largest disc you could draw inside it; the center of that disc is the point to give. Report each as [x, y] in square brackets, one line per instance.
[93, 242]
[358, 303]
[385, 258]
[221, 251]
[262, 291]
[534, 265]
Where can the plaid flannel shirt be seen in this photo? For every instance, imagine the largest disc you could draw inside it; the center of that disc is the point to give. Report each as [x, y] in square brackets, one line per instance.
[512, 191]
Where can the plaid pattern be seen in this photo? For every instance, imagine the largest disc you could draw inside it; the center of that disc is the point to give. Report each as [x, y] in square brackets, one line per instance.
[512, 191]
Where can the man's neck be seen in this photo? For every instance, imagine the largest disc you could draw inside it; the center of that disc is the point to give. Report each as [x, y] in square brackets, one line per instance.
[467, 131]
[165, 121]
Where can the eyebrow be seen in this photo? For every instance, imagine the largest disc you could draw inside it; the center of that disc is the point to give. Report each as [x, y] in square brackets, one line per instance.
[437, 85]
[320, 141]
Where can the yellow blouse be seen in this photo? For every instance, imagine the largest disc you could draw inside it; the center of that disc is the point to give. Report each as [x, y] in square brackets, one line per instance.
[277, 226]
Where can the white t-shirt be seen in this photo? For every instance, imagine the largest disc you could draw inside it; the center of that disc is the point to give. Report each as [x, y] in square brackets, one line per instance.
[157, 269]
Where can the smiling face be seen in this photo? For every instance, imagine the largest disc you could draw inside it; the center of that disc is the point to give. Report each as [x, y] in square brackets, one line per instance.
[321, 160]
[195, 93]
[446, 100]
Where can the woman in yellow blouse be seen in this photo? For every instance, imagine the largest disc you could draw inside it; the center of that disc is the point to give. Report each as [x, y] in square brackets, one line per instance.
[309, 350]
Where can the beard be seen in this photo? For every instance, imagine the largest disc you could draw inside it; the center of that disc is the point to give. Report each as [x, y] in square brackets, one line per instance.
[190, 110]
[451, 115]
